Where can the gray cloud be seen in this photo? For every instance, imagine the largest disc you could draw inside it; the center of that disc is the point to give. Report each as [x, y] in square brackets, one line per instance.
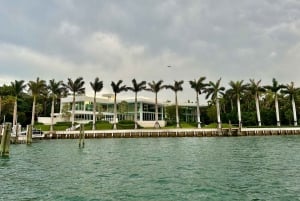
[138, 39]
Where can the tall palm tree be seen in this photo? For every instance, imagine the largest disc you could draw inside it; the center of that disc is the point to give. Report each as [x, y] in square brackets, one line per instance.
[292, 91]
[76, 88]
[199, 87]
[155, 87]
[238, 88]
[275, 88]
[214, 90]
[136, 87]
[36, 88]
[176, 87]
[97, 86]
[117, 88]
[17, 88]
[255, 89]
[56, 90]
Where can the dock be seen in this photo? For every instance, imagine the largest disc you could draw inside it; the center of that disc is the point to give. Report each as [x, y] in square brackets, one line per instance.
[144, 133]
[214, 132]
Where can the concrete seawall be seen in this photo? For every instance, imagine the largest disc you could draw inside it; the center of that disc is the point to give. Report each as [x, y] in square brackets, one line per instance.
[173, 133]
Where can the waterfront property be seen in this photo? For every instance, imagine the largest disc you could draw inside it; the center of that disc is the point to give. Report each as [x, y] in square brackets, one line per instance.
[105, 105]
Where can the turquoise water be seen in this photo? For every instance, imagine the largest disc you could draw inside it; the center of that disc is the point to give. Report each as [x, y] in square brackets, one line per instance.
[236, 168]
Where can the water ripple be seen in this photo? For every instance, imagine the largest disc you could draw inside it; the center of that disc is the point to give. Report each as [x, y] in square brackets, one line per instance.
[246, 168]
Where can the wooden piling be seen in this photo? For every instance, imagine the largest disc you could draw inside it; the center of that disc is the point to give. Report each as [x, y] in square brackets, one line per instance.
[81, 136]
[5, 141]
[29, 134]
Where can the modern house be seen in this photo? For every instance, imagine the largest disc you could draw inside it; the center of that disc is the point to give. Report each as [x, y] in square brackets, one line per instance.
[105, 111]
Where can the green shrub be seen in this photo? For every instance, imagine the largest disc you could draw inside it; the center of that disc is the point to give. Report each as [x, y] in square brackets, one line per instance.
[103, 125]
[42, 127]
[125, 124]
[64, 123]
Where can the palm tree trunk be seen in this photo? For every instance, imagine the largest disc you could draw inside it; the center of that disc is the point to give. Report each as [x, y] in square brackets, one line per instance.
[198, 112]
[0, 106]
[156, 112]
[135, 111]
[94, 112]
[73, 111]
[33, 110]
[15, 112]
[294, 111]
[257, 110]
[239, 110]
[218, 113]
[177, 114]
[277, 110]
[115, 112]
[52, 114]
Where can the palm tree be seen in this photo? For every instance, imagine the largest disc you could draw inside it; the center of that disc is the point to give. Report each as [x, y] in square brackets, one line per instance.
[199, 87]
[97, 86]
[56, 90]
[176, 87]
[238, 88]
[275, 88]
[136, 87]
[255, 89]
[76, 88]
[17, 88]
[155, 87]
[36, 88]
[214, 90]
[117, 88]
[292, 91]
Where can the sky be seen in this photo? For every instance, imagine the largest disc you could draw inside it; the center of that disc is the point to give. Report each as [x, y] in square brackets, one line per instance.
[125, 39]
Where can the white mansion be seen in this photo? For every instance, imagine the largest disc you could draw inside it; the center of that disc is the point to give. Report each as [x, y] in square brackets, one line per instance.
[105, 105]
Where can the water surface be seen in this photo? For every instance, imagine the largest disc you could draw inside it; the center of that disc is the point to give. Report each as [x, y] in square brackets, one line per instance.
[235, 168]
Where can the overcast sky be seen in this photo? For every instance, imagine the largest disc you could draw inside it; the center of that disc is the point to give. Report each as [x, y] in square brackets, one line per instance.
[112, 40]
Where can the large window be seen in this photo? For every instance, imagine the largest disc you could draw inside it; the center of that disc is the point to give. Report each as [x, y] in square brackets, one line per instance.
[79, 105]
[89, 107]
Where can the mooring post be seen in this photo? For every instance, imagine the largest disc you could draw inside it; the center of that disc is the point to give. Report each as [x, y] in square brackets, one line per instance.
[81, 136]
[220, 132]
[240, 129]
[5, 140]
[16, 133]
[230, 127]
[29, 134]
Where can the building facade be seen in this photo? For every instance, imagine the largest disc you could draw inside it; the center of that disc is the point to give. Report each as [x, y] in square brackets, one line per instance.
[105, 110]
